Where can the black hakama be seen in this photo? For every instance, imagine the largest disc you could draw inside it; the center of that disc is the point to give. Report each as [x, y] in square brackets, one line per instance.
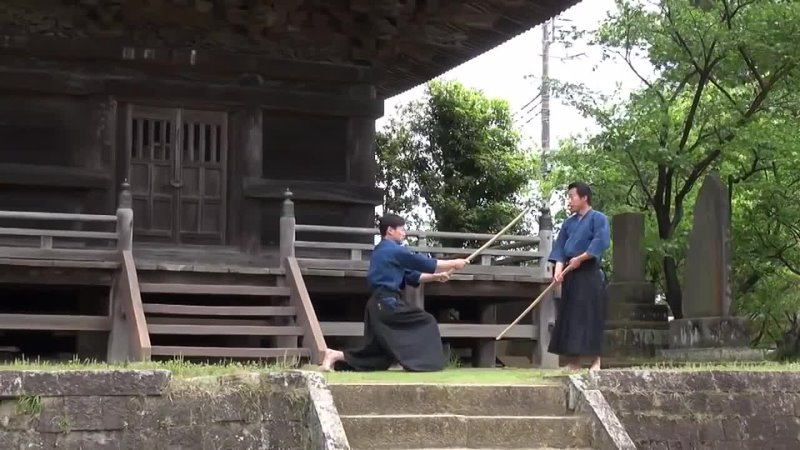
[396, 332]
[580, 313]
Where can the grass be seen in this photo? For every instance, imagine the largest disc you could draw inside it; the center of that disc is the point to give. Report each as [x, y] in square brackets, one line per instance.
[452, 375]
[179, 368]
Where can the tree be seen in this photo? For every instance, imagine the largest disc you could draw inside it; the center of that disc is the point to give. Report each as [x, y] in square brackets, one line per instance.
[724, 75]
[457, 151]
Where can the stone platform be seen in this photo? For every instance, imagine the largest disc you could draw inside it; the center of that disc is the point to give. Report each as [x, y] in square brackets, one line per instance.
[711, 339]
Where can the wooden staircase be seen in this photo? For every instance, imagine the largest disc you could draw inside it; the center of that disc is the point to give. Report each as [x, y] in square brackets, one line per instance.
[231, 318]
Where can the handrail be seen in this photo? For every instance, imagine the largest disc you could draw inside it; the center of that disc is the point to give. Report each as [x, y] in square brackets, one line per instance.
[129, 339]
[414, 248]
[35, 215]
[418, 233]
[306, 316]
[21, 247]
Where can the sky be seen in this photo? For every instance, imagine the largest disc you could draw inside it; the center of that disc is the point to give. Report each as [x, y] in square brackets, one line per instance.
[513, 71]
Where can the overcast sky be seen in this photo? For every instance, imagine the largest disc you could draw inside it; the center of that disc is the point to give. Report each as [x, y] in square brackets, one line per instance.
[513, 71]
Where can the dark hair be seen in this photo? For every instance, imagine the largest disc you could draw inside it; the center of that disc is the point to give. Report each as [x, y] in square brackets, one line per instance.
[390, 221]
[582, 189]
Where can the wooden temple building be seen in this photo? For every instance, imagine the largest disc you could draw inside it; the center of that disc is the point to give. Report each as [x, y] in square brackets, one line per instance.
[196, 178]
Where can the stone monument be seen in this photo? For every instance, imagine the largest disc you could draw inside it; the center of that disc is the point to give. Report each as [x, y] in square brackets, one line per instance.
[636, 326]
[708, 331]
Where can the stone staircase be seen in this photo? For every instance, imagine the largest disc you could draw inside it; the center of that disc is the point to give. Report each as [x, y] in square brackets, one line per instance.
[428, 416]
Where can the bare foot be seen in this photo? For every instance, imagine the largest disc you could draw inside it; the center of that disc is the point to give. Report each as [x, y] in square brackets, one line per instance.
[331, 356]
[595, 365]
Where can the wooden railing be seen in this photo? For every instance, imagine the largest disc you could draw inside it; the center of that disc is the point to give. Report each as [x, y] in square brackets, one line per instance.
[306, 316]
[59, 246]
[515, 256]
[129, 339]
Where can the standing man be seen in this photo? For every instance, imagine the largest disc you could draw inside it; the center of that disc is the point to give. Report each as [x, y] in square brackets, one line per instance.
[581, 311]
[395, 331]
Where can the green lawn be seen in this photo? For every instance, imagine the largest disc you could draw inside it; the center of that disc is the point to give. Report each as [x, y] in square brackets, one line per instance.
[179, 369]
[183, 369]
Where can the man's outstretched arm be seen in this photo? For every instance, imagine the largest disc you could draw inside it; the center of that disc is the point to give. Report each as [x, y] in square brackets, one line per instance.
[425, 264]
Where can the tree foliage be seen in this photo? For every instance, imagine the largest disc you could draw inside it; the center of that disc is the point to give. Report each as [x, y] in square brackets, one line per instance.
[719, 94]
[457, 151]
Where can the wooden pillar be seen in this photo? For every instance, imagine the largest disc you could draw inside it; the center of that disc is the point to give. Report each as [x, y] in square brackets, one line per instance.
[545, 313]
[248, 154]
[362, 167]
[485, 350]
[362, 170]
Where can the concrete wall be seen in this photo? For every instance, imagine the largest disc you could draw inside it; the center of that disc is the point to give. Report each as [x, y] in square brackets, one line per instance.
[697, 410]
[149, 410]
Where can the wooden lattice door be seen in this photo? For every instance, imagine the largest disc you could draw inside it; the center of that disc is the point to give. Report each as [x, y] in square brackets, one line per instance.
[178, 162]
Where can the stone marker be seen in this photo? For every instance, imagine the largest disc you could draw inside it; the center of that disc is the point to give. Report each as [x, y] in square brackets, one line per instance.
[706, 287]
[708, 331]
[628, 258]
[636, 326]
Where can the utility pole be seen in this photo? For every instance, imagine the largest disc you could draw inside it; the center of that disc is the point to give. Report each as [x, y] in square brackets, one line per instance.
[545, 91]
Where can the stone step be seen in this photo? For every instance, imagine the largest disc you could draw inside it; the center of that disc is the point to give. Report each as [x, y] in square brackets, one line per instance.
[483, 400]
[399, 431]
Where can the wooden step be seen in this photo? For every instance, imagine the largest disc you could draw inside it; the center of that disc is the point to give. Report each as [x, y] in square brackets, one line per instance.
[193, 310]
[54, 322]
[185, 320]
[225, 330]
[230, 352]
[212, 289]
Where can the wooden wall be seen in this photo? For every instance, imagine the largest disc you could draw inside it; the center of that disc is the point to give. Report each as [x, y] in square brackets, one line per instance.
[63, 146]
[56, 152]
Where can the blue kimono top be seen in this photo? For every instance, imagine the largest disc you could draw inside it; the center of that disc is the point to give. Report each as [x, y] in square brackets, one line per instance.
[589, 233]
[393, 266]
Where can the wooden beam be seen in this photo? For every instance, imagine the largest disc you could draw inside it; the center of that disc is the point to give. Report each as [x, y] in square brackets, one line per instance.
[230, 352]
[221, 330]
[54, 322]
[312, 190]
[445, 250]
[185, 320]
[193, 310]
[213, 289]
[449, 330]
[54, 275]
[56, 80]
[57, 253]
[35, 215]
[58, 233]
[108, 265]
[187, 60]
[345, 264]
[53, 176]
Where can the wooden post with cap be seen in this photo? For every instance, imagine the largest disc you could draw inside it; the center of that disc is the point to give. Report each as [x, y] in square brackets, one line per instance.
[545, 313]
[287, 228]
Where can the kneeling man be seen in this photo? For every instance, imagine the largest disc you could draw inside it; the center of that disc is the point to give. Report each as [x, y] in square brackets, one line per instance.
[395, 331]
